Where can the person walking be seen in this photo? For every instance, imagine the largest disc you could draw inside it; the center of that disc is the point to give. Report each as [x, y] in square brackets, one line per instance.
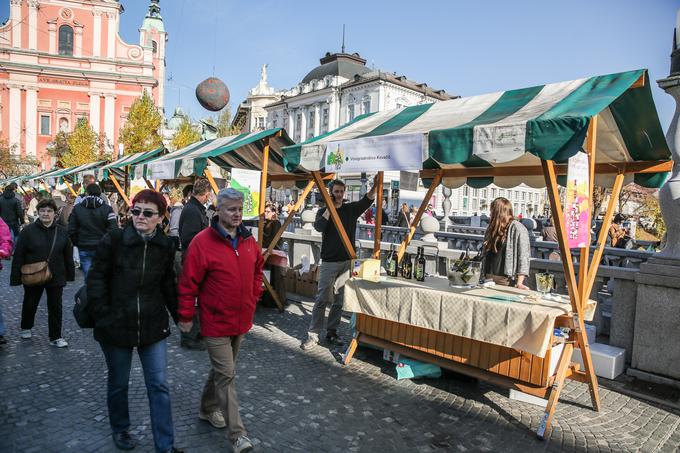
[192, 221]
[335, 262]
[131, 290]
[403, 220]
[223, 270]
[506, 247]
[11, 210]
[90, 220]
[87, 180]
[44, 241]
[6, 246]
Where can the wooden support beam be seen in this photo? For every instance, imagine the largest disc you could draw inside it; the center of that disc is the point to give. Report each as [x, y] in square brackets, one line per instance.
[148, 184]
[334, 215]
[289, 219]
[211, 180]
[584, 255]
[377, 236]
[73, 192]
[562, 367]
[414, 224]
[263, 190]
[271, 290]
[572, 287]
[604, 232]
[603, 168]
[120, 189]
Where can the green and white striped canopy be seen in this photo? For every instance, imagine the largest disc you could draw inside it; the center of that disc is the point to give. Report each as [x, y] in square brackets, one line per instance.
[53, 177]
[512, 128]
[129, 160]
[235, 151]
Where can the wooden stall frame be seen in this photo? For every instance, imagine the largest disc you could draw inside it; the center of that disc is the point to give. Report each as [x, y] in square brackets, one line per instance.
[377, 232]
[120, 190]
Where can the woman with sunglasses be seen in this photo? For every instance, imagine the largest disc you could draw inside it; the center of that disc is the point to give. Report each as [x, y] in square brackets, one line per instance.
[131, 290]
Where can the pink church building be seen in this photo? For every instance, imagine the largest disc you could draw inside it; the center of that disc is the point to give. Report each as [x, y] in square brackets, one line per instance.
[63, 60]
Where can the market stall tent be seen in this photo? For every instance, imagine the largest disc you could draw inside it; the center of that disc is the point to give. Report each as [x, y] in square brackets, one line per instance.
[508, 138]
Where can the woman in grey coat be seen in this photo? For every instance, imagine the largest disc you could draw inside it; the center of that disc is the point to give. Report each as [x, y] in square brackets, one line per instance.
[506, 247]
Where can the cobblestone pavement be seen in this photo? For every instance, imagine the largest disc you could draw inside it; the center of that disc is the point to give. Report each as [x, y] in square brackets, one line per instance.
[53, 400]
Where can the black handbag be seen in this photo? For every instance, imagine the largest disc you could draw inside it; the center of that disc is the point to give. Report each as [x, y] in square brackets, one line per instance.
[81, 309]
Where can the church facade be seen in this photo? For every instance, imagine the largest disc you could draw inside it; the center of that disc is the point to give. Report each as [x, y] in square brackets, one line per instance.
[63, 61]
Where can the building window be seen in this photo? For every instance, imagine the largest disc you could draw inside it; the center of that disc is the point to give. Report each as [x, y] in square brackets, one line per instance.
[259, 122]
[466, 190]
[350, 112]
[311, 124]
[298, 127]
[366, 104]
[63, 125]
[524, 196]
[493, 193]
[275, 121]
[154, 47]
[515, 207]
[465, 203]
[45, 125]
[324, 121]
[474, 204]
[65, 40]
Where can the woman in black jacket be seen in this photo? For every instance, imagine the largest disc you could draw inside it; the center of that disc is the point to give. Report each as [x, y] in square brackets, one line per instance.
[35, 244]
[131, 289]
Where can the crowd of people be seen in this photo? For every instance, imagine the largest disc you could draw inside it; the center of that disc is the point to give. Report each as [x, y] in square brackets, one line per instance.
[186, 256]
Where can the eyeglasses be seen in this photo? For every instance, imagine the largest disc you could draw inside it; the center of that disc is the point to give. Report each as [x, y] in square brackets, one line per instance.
[146, 213]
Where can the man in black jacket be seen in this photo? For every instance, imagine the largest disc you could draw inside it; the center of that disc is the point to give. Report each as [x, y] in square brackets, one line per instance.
[90, 220]
[11, 211]
[335, 262]
[192, 221]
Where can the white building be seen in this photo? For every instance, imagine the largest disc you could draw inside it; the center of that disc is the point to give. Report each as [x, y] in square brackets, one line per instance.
[526, 201]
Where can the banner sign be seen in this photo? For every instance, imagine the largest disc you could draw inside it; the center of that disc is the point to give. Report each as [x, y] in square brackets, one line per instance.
[161, 170]
[248, 183]
[371, 154]
[311, 157]
[577, 202]
[408, 181]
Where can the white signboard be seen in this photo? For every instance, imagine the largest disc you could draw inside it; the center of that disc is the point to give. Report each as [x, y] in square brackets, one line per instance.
[311, 157]
[161, 170]
[370, 154]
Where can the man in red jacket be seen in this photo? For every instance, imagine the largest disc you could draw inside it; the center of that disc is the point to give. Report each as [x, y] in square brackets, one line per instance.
[223, 270]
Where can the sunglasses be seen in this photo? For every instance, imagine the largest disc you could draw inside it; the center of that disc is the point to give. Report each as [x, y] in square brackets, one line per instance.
[146, 213]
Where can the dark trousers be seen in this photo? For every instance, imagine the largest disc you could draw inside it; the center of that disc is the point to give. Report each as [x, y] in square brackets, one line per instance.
[32, 295]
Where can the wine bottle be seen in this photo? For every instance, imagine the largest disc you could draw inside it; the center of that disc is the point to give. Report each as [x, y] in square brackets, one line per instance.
[407, 267]
[420, 265]
[392, 262]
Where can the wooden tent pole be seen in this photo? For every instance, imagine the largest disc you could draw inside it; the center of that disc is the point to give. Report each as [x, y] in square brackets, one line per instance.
[289, 219]
[568, 266]
[604, 231]
[211, 180]
[334, 214]
[120, 189]
[70, 188]
[148, 184]
[378, 216]
[263, 190]
[435, 182]
[584, 255]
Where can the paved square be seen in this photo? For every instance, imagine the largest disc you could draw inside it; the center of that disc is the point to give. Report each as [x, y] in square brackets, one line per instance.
[54, 400]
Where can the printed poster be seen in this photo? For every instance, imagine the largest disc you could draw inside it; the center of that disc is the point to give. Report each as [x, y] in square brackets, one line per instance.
[248, 183]
[577, 202]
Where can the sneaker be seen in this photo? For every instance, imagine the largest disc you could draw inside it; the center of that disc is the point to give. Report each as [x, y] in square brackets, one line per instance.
[243, 445]
[59, 342]
[309, 343]
[334, 340]
[2, 340]
[215, 418]
[26, 334]
[123, 441]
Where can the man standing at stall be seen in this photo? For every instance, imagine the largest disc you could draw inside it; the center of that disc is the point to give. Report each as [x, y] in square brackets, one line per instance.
[222, 269]
[335, 262]
[192, 220]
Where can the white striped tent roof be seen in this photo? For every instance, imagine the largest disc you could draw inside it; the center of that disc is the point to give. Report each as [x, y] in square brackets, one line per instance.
[235, 151]
[515, 128]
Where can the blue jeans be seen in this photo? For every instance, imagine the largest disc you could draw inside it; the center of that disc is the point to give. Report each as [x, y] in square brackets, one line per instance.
[154, 365]
[86, 257]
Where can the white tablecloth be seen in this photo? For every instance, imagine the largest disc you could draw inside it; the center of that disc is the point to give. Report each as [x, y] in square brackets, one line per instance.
[504, 316]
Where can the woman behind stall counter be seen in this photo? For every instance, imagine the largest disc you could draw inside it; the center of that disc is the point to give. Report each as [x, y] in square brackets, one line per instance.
[506, 247]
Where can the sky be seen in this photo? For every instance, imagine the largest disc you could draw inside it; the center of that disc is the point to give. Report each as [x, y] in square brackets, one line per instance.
[465, 47]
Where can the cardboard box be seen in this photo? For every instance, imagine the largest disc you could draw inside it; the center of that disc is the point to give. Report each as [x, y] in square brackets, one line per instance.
[609, 361]
[366, 269]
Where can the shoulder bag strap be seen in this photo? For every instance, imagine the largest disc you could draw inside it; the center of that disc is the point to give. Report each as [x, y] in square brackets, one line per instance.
[54, 241]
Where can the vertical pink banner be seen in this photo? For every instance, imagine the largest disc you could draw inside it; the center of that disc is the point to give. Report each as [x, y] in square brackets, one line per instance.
[577, 202]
